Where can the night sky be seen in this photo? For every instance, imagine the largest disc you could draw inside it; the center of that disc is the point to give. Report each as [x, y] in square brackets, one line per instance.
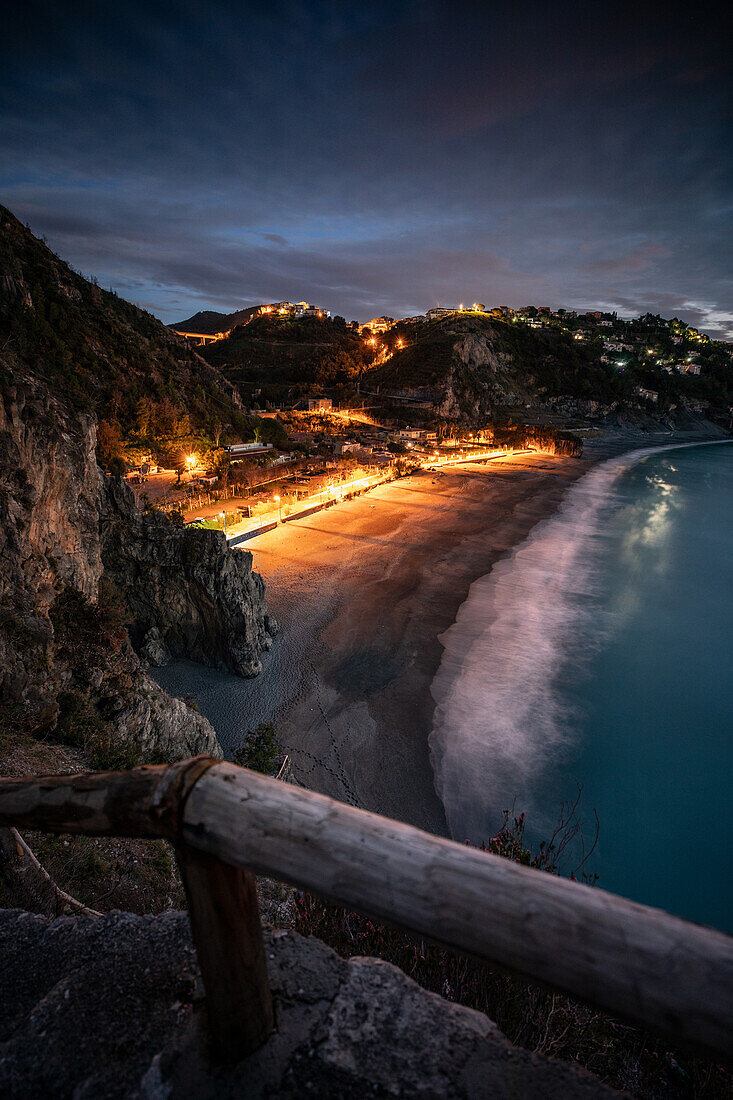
[378, 157]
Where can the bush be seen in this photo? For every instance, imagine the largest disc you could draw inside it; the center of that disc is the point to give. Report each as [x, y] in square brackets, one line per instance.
[552, 1024]
[116, 466]
[260, 749]
[81, 726]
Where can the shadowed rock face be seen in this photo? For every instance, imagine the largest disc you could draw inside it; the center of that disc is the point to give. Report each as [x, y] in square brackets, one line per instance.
[187, 594]
[70, 536]
[51, 555]
[70, 352]
[112, 1007]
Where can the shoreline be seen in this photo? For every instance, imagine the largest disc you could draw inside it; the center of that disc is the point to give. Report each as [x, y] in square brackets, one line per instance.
[496, 719]
[362, 593]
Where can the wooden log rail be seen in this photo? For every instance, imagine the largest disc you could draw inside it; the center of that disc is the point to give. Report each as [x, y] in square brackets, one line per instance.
[655, 970]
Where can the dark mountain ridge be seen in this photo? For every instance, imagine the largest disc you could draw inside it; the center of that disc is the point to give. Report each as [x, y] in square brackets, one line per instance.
[470, 368]
[209, 322]
[103, 353]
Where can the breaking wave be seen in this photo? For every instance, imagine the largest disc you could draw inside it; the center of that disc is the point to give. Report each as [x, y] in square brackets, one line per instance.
[521, 640]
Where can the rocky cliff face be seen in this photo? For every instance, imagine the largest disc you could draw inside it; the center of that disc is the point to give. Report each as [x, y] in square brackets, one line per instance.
[49, 534]
[187, 594]
[78, 564]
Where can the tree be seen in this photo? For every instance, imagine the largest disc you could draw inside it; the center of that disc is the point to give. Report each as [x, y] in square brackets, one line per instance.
[142, 416]
[109, 442]
[260, 749]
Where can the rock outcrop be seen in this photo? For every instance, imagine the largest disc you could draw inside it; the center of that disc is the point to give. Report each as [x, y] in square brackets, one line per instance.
[64, 654]
[78, 564]
[114, 1003]
[187, 594]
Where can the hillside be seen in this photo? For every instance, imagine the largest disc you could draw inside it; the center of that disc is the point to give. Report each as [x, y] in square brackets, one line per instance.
[286, 358]
[82, 571]
[208, 321]
[470, 367]
[105, 354]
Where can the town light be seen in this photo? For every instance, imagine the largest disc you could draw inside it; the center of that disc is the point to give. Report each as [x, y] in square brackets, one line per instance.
[190, 461]
[276, 498]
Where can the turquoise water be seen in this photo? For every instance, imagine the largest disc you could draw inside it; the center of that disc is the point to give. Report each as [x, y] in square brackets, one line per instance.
[601, 654]
[656, 753]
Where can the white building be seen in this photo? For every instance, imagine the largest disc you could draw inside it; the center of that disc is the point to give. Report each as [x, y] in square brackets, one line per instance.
[438, 312]
[378, 324]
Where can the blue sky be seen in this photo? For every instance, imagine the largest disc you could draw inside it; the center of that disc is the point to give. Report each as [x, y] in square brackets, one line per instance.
[377, 158]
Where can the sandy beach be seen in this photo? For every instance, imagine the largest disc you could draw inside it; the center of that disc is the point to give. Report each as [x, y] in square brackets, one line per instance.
[362, 592]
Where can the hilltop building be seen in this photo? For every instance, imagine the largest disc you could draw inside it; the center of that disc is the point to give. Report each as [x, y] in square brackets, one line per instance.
[294, 309]
[378, 324]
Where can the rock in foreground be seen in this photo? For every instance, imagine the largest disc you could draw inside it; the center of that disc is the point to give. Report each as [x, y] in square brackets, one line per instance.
[110, 1008]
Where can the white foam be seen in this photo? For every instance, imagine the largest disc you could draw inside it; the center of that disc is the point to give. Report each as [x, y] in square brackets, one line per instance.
[523, 629]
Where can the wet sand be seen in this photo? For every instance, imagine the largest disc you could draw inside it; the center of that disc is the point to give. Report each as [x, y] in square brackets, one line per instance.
[362, 592]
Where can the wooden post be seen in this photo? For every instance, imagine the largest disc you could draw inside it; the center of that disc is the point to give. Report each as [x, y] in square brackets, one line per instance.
[656, 970]
[225, 922]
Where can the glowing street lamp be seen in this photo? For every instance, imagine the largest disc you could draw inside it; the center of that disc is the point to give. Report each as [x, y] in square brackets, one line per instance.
[223, 516]
[279, 508]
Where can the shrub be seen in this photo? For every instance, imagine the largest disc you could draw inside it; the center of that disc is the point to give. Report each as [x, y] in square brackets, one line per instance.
[553, 1024]
[260, 749]
[81, 726]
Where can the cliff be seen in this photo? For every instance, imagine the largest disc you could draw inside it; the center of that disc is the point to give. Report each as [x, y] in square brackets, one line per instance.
[79, 565]
[473, 368]
[188, 595]
[66, 662]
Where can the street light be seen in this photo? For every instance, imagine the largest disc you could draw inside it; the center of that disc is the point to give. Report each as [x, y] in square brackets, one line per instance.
[279, 508]
[224, 518]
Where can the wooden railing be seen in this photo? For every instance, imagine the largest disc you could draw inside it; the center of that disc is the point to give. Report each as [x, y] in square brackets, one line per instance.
[655, 970]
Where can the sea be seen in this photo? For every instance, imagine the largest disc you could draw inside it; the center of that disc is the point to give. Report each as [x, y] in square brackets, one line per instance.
[594, 667]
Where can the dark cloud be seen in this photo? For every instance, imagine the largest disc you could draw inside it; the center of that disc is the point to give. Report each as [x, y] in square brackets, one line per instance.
[377, 157]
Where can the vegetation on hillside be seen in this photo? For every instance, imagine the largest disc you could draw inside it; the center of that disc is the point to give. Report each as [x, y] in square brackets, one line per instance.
[105, 356]
[284, 358]
[563, 358]
[539, 360]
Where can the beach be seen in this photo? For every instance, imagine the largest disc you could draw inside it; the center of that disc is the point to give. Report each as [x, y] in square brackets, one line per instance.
[362, 592]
